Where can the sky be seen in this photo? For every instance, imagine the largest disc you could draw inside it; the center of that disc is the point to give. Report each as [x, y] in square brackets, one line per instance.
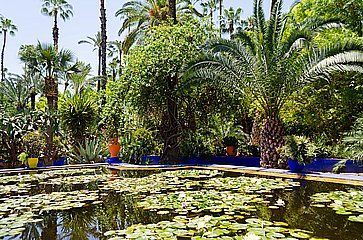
[34, 27]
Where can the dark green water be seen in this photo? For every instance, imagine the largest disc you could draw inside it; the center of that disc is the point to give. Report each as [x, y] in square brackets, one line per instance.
[118, 211]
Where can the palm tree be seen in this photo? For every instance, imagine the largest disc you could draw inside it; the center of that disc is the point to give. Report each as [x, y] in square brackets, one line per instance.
[211, 6]
[96, 43]
[231, 20]
[55, 8]
[103, 44]
[220, 16]
[51, 65]
[272, 64]
[16, 91]
[32, 78]
[6, 26]
[138, 16]
[120, 48]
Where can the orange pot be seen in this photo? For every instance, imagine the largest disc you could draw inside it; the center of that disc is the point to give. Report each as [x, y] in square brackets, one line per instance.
[231, 151]
[114, 147]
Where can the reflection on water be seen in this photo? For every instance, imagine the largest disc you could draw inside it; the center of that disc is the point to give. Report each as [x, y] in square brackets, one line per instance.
[118, 211]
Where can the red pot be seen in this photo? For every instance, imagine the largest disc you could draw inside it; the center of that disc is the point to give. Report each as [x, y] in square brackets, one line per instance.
[231, 151]
[114, 147]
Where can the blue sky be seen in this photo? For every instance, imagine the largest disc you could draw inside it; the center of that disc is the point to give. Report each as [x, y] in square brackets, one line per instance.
[34, 27]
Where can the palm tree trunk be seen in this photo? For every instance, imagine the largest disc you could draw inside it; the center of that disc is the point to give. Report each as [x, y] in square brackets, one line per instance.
[220, 17]
[272, 138]
[55, 31]
[172, 10]
[120, 63]
[2, 58]
[55, 43]
[32, 100]
[99, 69]
[103, 43]
[256, 129]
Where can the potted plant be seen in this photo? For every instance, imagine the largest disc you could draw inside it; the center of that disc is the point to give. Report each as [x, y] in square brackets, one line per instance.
[296, 152]
[110, 125]
[34, 145]
[231, 144]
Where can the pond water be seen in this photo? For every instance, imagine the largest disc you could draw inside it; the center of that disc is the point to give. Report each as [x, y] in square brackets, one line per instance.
[184, 204]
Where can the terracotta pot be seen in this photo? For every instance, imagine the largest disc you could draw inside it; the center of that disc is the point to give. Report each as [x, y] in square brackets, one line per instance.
[114, 147]
[231, 151]
[33, 162]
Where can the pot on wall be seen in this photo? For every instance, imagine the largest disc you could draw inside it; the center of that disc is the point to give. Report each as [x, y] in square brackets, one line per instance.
[231, 150]
[114, 147]
[33, 162]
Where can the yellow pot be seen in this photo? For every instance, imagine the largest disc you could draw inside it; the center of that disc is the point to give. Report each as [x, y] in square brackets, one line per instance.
[33, 162]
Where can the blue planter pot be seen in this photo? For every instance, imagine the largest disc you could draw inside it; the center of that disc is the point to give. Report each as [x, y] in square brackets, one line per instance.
[113, 160]
[295, 166]
[60, 162]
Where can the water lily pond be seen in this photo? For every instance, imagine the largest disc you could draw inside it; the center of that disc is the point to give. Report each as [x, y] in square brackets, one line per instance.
[184, 204]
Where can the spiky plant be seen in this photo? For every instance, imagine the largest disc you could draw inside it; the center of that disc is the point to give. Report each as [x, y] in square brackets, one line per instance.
[272, 63]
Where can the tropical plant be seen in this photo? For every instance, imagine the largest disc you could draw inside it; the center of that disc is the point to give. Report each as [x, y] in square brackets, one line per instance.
[95, 42]
[34, 144]
[271, 64]
[231, 20]
[138, 16]
[6, 26]
[12, 128]
[154, 89]
[16, 91]
[137, 143]
[78, 115]
[51, 64]
[55, 8]
[350, 11]
[80, 80]
[297, 148]
[89, 151]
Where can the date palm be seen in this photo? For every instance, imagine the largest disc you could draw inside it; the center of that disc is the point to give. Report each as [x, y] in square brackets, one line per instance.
[271, 64]
[6, 27]
[57, 8]
[138, 16]
[96, 43]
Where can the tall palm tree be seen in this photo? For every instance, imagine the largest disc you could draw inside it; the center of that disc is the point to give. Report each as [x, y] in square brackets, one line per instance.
[209, 7]
[231, 20]
[55, 8]
[103, 43]
[51, 65]
[139, 15]
[272, 64]
[6, 26]
[96, 43]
